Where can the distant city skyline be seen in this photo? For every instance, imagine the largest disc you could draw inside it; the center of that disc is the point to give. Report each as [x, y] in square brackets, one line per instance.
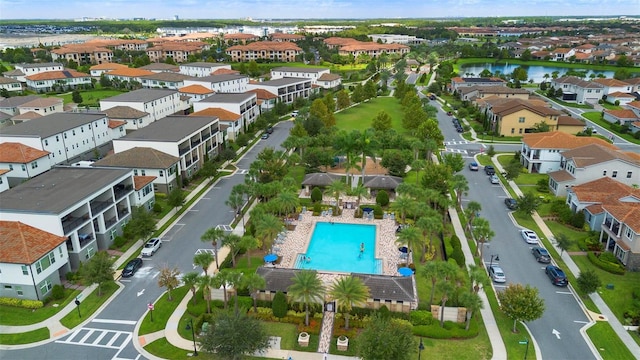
[310, 9]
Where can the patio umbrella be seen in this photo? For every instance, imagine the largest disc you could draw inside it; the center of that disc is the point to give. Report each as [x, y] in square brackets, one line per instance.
[270, 257]
[403, 249]
[405, 271]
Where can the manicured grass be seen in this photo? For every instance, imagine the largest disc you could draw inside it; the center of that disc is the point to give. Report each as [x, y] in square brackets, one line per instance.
[89, 305]
[530, 179]
[25, 338]
[163, 308]
[619, 299]
[573, 234]
[164, 350]
[608, 343]
[596, 117]
[359, 117]
[609, 106]
[11, 316]
[91, 97]
[498, 139]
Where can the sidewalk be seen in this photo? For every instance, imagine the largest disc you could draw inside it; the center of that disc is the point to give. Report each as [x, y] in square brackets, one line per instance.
[602, 306]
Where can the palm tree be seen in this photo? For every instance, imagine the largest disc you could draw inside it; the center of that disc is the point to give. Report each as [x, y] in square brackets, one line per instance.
[473, 303]
[337, 188]
[222, 279]
[477, 277]
[234, 279]
[401, 204]
[254, 282]
[432, 271]
[349, 291]
[430, 146]
[351, 163]
[213, 235]
[445, 288]
[411, 237]
[482, 232]
[190, 280]
[233, 242]
[205, 282]
[267, 228]
[249, 243]
[287, 201]
[417, 145]
[367, 146]
[430, 225]
[345, 144]
[472, 211]
[204, 260]
[306, 287]
[418, 165]
[235, 201]
[359, 192]
[460, 186]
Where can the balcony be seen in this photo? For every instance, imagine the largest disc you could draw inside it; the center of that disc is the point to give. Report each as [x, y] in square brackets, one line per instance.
[110, 222]
[122, 212]
[195, 143]
[183, 151]
[85, 239]
[69, 222]
[97, 206]
[121, 190]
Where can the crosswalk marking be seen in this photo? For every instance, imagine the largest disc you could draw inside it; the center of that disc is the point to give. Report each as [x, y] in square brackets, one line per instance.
[82, 335]
[459, 151]
[457, 142]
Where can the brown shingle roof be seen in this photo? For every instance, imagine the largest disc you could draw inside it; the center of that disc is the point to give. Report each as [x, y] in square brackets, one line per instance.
[266, 46]
[24, 244]
[13, 152]
[604, 191]
[569, 121]
[560, 140]
[42, 102]
[329, 77]
[622, 113]
[108, 66]
[195, 89]
[627, 213]
[610, 82]
[264, 94]
[595, 154]
[124, 112]
[55, 75]
[139, 158]
[514, 105]
[130, 72]
[113, 124]
[225, 72]
[141, 181]
[561, 176]
[220, 113]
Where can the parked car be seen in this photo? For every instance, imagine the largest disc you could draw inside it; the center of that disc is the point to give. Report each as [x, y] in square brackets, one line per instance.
[270, 129]
[131, 267]
[265, 136]
[496, 274]
[529, 236]
[432, 97]
[459, 129]
[494, 179]
[294, 113]
[556, 275]
[473, 166]
[151, 247]
[541, 255]
[489, 170]
[449, 113]
[511, 203]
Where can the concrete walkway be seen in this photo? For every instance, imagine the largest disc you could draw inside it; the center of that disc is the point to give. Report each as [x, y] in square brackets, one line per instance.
[571, 266]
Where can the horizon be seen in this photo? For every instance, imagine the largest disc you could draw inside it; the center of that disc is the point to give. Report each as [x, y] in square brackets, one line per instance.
[312, 10]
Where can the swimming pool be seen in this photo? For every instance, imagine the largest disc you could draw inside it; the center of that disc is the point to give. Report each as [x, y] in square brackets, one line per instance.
[336, 247]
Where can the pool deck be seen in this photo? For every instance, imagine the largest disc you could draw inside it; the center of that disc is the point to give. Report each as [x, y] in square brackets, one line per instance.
[296, 241]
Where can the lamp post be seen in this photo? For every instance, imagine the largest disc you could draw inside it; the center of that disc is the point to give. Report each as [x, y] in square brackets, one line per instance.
[420, 348]
[496, 257]
[77, 301]
[193, 335]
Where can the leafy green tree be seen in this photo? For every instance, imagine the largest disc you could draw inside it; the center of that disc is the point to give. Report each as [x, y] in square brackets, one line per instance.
[521, 303]
[98, 270]
[436, 177]
[414, 116]
[528, 203]
[482, 232]
[76, 97]
[410, 237]
[168, 278]
[370, 90]
[382, 198]
[176, 198]
[349, 291]
[141, 225]
[430, 130]
[329, 102]
[343, 99]
[432, 271]
[397, 335]
[460, 186]
[316, 195]
[358, 94]
[472, 211]
[454, 161]
[382, 121]
[395, 161]
[588, 281]
[190, 280]
[267, 228]
[279, 305]
[254, 282]
[306, 287]
[235, 335]
[512, 169]
[563, 242]
[232, 241]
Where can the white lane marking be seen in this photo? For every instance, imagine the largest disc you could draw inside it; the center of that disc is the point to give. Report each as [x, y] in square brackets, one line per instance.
[580, 322]
[564, 292]
[109, 321]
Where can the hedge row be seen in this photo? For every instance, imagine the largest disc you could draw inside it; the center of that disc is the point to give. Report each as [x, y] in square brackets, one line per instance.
[450, 330]
[605, 265]
[21, 303]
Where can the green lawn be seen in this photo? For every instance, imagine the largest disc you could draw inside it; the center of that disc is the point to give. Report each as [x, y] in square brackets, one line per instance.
[608, 343]
[25, 338]
[619, 299]
[162, 311]
[91, 97]
[89, 305]
[596, 117]
[12, 316]
[360, 116]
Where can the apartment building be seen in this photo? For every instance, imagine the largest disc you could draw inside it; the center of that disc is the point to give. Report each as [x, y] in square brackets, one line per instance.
[620, 231]
[58, 80]
[318, 76]
[21, 71]
[22, 162]
[42, 106]
[9, 84]
[195, 93]
[158, 103]
[266, 99]
[201, 69]
[98, 70]
[287, 89]
[164, 80]
[266, 50]
[128, 74]
[83, 54]
[133, 119]
[221, 83]
[472, 93]
[10, 105]
[178, 51]
[244, 104]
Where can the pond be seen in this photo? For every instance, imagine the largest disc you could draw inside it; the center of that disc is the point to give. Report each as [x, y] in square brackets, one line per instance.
[535, 72]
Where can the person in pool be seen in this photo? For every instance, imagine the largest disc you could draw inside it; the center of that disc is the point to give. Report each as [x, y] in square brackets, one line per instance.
[361, 248]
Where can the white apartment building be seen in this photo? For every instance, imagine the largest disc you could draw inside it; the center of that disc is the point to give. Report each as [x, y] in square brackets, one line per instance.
[318, 76]
[58, 80]
[4, 180]
[201, 69]
[42, 106]
[10, 105]
[158, 103]
[11, 85]
[21, 71]
[164, 80]
[287, 89]
[221, 83]
[245, 104]
[22, 162]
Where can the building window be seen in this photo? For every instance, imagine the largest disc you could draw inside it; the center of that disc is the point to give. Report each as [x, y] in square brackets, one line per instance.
[520, 131]
[135, 172]
[162, 173]
[46, 142]
[24, 167]
[25, 270]
[19, 291]
[629, 174]
[521, 119]
[52, 257]
[10, 167]
[143, 172]
[604, 173]
[513, 130]
[629, 233]
[614, 174]
[34, 164]
[45, 287]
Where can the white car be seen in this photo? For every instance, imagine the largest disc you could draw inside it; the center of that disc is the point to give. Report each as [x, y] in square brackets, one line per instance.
[151, 247]
[494, 179]
[529, 236]
[496, 274]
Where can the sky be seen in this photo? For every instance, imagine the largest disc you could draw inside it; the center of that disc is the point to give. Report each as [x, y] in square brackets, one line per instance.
[310, 9]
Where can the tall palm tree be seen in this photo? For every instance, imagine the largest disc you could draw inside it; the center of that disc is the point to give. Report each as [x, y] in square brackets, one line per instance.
[460, 186]
[432, 271]
[400, 205]
[411, 237]
[287, 202]
[417, 146]
[221, 280]
[235, 280]
[349, 291]
[190, 280]
[352, 163]
[477, 278]
[366, 146]
[359, 192]
[482, 232]
[345, 144]
[249, 243]
[418, 165]
[430, 225]
[213, 235]
[472, 211]
[473, 303]
[233, 242]
[254, 282]
[337, 188]
[306, 287]
[206, 282]
[267, 228]
[204, 260]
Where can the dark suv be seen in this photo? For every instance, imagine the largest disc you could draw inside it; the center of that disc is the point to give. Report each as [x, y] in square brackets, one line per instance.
[489, 170]
[556, 275]
[541, 255]
[511, 203]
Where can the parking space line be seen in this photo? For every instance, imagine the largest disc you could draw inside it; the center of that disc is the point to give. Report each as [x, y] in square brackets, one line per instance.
[564, 292]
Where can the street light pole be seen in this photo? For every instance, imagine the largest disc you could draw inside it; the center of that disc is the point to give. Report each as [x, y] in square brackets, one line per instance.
[496, 256]
[193, 335]
[420, 348]
[78, 307]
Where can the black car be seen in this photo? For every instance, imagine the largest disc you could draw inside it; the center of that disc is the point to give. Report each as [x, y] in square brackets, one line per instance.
[459, 129]
[132, 267]
[489, 170]
[270, 130]
[511, 203]
[541, 255]
[556, 275]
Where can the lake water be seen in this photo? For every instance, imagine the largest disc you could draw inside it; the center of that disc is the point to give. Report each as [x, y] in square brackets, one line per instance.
[535, 72]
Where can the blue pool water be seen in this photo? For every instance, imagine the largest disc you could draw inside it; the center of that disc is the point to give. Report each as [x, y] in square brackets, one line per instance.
[336, 247]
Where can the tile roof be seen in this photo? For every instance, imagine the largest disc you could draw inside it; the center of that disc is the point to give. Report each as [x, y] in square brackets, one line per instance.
[595, 154]
[627, 213]
[114, 124]
[284, 36]
[108, 66]
[141, 181]
[130, 72]
[263, 94]
[195, 89]
[493, 90]
[604, 191]
[141, 95]
[24, 244]
[29, 115]
[225, 72]
[42, 102]
[266, 46]
[569, 121]
[329, 77]
[15, 101]
[595, 209]
[6, 80]
[124, 112]
[4, 171]
[52, 124]
[139, 158]
[55, 75]
[14, 72]
[240, 36]
[574, 80]
[560, 140]
[18, 153]
[622, 113]
[611, 82]
[38, 65]
[514, 105]
[561, 176]
[233, 98]
[222, 114]
[620, 94]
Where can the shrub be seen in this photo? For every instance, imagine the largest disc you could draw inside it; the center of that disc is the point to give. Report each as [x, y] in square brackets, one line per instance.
[455, 242]
[607, 266]
[21, 303]
[421, 317]
[157, 208]
[317, 209]
[316, 195]
[279, 305]
[542, 185]
[382, 198]
[577, 220]
[57, 292]
[119, 241]
[458, 256]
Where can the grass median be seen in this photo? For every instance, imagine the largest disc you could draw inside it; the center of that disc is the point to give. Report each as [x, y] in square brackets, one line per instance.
[15, 316]
[25, 337]
[163, 308]
[89, 305]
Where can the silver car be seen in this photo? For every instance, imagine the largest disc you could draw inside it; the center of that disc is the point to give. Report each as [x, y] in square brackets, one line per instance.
[494, 179]
[151, 247]
[496, 274]
[529, 236]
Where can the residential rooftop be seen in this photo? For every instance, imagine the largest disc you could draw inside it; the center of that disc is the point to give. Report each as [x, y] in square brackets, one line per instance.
[228, 97]
[52, 124]
[138, 158]
[172, 128]
[141, 95]
[24, 244]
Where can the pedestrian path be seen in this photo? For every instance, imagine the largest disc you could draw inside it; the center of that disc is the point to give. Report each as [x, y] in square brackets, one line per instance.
[622, 333]
[325, 333]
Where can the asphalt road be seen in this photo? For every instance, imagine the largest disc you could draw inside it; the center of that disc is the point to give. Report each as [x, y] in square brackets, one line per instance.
[563, 314]
[109, 335]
